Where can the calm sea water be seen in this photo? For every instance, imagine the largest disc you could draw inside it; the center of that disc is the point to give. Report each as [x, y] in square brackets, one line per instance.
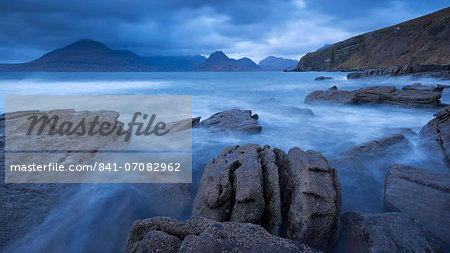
[98, 217]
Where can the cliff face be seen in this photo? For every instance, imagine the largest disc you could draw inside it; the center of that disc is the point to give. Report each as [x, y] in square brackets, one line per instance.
[424, 40]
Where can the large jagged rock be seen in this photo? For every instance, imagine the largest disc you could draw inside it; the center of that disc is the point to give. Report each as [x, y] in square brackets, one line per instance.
[235, 120]
[164, 234]
[378, 95]
[435, 136]
[390, 145]
[386, 232]
[422, 194]
[295, 195]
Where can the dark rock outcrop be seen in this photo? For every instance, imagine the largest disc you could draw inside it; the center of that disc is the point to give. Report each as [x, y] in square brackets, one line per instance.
[235, 120]
[423, 40]
[420, 70]
[355, 75]
[435, 137]
[422, 194]
[295, 195]
[378, 95]
[197, 235]
[387, 232]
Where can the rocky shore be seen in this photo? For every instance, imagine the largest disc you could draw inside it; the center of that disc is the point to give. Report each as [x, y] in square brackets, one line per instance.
[261, 199]
[419, 70]
[408, 96]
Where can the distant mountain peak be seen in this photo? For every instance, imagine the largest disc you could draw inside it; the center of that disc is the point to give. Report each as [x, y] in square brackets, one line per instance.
[85, 43]
[218, 55]
[273, 63]
[219, 61]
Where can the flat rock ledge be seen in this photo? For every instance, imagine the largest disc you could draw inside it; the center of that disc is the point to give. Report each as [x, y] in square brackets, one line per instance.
[295, 195]
[419, 70]
[422, 194]
[388, 95]
[235, 120]
[386, 232]
[197, 235]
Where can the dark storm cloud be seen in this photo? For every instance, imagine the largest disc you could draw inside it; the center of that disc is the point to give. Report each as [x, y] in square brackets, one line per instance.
[254, 28]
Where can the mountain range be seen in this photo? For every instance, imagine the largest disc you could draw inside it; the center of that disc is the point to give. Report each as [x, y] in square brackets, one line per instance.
[424, 40]
[93, 56]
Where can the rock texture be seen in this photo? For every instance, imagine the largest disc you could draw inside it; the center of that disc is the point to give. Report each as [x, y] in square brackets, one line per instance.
[164, 234]
[435, 136]
[235, 120]
[422, 194]
[295, 195]
[387, 232]
[378, 95]
[423, 40]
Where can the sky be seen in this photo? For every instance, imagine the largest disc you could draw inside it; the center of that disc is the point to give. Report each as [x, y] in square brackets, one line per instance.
[240, 28]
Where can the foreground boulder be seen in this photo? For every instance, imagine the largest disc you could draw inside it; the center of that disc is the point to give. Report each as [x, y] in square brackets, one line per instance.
[295, 195]
[387, 232]
[235, 120]
[435, 136]
[422, 194]
[164, 234]
[378, 95]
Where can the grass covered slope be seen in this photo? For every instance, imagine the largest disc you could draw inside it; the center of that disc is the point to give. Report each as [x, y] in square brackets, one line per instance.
[424, 40]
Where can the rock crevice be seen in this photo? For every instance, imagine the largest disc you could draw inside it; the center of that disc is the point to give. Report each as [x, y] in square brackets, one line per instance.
[295, 195]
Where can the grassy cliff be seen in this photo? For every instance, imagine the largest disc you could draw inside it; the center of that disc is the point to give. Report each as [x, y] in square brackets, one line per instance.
[424, 40]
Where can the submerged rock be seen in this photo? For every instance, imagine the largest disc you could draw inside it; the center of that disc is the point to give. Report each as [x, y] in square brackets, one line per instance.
[296, 111]
[422, 194]
[296, 195]
[435, 136]
[378, 95]
[391, 145]
[234, 119]
[387, 232]
[320, 78]
[164, 234]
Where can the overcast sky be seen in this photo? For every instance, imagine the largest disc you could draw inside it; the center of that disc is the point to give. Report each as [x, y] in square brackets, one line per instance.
[252, 28]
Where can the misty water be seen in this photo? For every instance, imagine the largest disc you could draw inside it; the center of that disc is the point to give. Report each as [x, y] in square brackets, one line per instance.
[97, 217]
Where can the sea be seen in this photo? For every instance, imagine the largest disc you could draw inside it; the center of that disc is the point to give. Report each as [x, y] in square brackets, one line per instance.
[97, 217]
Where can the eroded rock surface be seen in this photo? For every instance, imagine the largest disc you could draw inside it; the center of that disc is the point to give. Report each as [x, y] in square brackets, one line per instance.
[435, 136]
[234, 119]
[422, 194]
[386, 232]
[295, 195]
[378, 95]
[164, 234]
